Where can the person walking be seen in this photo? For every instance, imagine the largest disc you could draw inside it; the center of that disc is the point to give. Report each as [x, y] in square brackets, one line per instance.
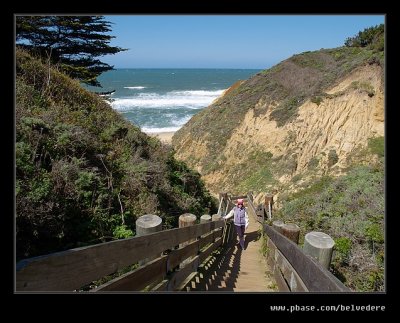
[240, 220]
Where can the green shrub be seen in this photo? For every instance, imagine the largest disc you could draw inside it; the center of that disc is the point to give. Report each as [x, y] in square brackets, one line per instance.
[377, 146]
[313, 163]
[122, 232]
[347, 206]
[317, 100]
[332, 158]
[363, 87]
[78, 162]
[374, 233]
[342, 248]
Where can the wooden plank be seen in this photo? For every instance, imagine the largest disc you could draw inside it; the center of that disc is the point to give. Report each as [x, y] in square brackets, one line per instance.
[209, 250]
[315, 277]
[280, 281]
[179, 255]
[271, 253]
[225, 232]
[185, 285]
[289, 273]
[251, 209]
[275, 258]
[271, 263]
[206, 239]
[162, 286]
[71, 269]
[139, 278]
[179, 276]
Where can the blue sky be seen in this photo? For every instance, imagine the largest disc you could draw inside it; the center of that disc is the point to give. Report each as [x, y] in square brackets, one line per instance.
[226, 41]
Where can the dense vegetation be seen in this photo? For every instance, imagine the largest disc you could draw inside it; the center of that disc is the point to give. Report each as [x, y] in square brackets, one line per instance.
[83, 173]
[372, 37]
[351, 209]
[71, 42]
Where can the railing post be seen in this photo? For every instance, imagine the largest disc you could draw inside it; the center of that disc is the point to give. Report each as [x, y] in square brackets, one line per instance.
[260, 213]
[269, 200]
[319, 245]
[146, 224]
[291, 231]
[205, 218]
[186, 220]
[217, 217]
[277, 225]
[223, 197]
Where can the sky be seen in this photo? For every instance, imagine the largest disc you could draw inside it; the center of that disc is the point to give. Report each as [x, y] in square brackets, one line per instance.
[226, 41]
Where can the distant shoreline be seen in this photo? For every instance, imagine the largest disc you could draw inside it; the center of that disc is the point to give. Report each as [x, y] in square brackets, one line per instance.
[165, 137]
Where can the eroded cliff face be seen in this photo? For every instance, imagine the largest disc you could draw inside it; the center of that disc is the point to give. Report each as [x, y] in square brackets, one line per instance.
[321, 139]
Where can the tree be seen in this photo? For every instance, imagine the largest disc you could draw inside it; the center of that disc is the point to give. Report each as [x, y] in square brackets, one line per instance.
[372, 37]
[72, 42]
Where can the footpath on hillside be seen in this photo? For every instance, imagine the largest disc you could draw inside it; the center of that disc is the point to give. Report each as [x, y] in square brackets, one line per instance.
[241, 270]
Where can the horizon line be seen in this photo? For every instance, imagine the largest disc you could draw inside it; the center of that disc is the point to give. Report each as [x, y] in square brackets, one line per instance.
[198, 68]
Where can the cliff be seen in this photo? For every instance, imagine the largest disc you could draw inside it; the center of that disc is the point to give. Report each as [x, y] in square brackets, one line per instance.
[305, 117]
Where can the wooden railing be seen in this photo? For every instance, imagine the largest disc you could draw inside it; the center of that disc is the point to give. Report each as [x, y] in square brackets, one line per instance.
[293, 269]
[182, 252]
[74, 268]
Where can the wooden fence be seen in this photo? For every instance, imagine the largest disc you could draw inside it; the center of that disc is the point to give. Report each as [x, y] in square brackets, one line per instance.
[74, 268]
[183, 253]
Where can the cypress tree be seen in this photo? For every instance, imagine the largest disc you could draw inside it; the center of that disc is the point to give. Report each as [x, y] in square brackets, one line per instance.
[71, 42]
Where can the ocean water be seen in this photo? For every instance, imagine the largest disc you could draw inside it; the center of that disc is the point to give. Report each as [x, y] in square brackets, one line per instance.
[160, 100]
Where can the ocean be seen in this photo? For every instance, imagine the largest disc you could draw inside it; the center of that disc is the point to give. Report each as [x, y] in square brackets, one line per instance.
[161, 100]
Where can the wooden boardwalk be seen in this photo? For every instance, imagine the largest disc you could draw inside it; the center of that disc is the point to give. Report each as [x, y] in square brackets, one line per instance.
[241, 270]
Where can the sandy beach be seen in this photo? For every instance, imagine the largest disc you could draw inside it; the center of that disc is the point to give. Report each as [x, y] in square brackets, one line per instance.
[165, 137]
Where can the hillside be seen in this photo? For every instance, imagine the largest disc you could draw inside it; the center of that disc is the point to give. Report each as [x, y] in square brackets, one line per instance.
[302, 118]
[83, 173]
[310, 130]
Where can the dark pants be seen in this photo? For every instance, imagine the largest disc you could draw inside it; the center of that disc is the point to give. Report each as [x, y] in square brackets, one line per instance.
[240, 232]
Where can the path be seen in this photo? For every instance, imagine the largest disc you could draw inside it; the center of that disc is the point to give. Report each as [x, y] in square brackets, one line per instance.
[242, 270]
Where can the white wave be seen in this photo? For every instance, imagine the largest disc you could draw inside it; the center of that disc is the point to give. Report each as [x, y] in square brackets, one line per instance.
[174, 124]
[157, 130]
[194, 99]
[135, 87]
[200, 93]
[180, 121]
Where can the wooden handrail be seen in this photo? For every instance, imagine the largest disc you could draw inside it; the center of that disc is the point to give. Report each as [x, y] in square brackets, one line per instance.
[74, 268]
[315, 277]
[70, 270]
